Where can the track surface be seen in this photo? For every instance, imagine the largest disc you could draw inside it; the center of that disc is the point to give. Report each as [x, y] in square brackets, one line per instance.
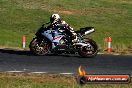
[11, 60]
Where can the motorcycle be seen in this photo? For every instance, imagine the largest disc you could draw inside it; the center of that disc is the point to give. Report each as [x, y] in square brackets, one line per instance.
[57, 41]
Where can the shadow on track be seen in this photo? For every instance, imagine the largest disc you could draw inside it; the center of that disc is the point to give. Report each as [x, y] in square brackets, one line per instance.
[28, 53]
[17, 52]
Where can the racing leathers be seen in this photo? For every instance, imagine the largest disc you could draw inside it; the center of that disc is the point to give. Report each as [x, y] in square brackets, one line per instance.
[69, 30]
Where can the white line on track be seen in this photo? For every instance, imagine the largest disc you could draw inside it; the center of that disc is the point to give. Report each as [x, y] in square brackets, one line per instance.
[15, 71]
[66, 73]
[39, 72]
[116, 54]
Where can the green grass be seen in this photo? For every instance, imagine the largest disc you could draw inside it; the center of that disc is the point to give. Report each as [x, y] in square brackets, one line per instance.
[109, 17]
[49, 81]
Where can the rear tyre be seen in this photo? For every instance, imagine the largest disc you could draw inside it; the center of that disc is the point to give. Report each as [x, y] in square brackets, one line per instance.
[90, 50]
[38, 47]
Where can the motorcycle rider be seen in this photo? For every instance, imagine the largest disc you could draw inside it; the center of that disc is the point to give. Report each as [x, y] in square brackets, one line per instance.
[56, 21]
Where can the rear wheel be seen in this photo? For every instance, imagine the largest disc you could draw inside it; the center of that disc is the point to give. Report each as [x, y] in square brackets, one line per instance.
[90, 50]
[39, 47]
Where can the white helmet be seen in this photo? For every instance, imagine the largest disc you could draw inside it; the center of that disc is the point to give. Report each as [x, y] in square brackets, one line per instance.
[54, 17]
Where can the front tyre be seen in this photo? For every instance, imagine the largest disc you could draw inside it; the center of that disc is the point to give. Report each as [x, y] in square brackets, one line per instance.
[89, 51]
[39, 47]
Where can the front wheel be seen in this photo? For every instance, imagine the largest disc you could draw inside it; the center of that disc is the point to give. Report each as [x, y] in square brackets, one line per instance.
[39, 47]
[90, 50]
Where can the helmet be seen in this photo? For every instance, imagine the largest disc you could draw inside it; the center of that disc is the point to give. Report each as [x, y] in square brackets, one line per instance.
[54, 17]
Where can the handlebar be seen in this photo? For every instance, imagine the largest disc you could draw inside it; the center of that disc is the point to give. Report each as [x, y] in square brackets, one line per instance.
[45, 24]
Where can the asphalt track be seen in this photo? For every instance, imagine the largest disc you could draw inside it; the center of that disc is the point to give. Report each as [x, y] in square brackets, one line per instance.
[12, 60]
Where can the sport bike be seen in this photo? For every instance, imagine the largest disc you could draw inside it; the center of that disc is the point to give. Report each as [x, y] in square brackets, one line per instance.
[57, 41]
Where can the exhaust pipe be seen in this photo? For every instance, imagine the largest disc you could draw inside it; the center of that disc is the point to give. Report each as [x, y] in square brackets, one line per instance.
[86, 30]
[89, 31]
